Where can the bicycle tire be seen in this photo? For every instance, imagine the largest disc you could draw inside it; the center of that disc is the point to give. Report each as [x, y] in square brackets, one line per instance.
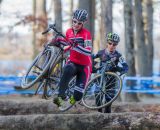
[93, 92]
[52, 81]
[41, 63]
[40, 88]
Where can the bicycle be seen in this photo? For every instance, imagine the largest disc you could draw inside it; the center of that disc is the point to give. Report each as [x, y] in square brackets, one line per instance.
[105, 85]
[101, 85]
[46, 68]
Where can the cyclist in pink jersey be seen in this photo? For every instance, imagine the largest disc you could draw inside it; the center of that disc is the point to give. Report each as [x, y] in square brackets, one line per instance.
[79, 64]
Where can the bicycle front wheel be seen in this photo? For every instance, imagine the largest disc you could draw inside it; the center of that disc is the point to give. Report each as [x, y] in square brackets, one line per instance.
[37, 69]
[98, 95]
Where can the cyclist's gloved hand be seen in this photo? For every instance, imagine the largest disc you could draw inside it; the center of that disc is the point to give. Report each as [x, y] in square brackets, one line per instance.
[59, 41]
[119, 69]
[93, 56]
[74, 44]
[94, 69]
[115, 68]
[54, 42]
[112, 68]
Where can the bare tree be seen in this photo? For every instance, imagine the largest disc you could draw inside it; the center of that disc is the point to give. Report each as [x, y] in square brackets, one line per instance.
[148, 31]
[0, 5]
[33, 28]
[129, 46]
[40, 24]
[106, 20]
[89, 5]
[58, 14]
[140, 39]
[71, 11]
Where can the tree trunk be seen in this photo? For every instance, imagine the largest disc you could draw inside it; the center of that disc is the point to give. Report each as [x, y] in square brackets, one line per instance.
[140, 40]
[41, 23]
[71, 11]
[143, 44]
[58, 14]
[34, 30]
[89, 5]
[148, 30]
[0, 6]
[129, 46]
[106, 20]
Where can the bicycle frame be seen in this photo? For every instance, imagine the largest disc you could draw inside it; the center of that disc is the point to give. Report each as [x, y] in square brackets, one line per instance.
[60, 52]
[104, 69]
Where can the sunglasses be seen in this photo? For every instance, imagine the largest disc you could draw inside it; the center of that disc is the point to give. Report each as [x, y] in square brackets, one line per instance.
[110, 43]
[79, 23]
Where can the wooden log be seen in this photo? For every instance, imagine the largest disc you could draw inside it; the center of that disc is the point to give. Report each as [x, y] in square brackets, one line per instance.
[114, 121]
[40, 106]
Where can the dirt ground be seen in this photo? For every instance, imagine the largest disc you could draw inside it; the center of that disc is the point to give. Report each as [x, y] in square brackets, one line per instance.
[143, 98]
[21, 97]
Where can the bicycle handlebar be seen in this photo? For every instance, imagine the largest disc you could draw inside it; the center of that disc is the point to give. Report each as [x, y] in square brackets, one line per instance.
[46, 31]
[109, 64]
[52, 26]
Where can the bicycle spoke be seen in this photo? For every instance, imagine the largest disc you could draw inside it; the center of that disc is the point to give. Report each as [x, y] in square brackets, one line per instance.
[98, 95]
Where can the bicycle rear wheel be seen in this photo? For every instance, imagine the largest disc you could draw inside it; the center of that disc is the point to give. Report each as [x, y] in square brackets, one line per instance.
[51, 86]
[40, 87]
[96, 96]
[37, 69]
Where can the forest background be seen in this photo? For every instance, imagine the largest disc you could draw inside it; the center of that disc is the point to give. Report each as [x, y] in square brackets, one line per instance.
[136, 21]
